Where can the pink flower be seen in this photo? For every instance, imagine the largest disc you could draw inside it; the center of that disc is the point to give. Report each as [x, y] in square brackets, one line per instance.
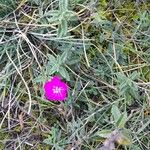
[55, 89]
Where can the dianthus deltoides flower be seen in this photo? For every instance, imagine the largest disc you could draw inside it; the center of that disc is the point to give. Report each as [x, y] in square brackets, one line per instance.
[55, 89]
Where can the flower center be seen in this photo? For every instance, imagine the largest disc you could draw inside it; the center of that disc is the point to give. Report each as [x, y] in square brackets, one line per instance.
[57, 90]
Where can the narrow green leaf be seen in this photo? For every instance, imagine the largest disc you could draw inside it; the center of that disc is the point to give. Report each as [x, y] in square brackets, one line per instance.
[64, 73]
[51, 70]
[134, 75]
[115, 113]
[52, 13]
[122, 120]
[39, 79]
[62, 28]
[104, 133]
[51, 58]
[64, 55]
[63, 5]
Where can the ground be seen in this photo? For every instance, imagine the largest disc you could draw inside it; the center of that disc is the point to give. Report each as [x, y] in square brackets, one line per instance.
[100, 49]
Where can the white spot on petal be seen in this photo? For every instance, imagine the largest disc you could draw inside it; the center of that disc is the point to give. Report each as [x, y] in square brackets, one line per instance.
[57, 90]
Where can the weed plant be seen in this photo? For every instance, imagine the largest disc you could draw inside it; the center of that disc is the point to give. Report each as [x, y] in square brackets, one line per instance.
[101, 49]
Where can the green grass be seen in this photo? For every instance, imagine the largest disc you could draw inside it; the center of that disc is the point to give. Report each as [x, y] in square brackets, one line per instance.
[101, 49]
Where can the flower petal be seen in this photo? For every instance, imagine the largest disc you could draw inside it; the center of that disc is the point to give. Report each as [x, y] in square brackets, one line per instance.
[55, 89]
